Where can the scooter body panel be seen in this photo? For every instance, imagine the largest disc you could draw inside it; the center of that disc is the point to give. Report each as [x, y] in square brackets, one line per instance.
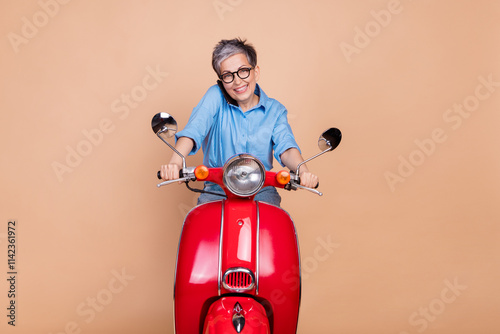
[197, 270]
[279, 268]
[220, 236]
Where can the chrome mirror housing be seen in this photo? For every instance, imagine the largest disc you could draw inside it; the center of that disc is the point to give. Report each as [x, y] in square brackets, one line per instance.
[165, 126]
[330, 139]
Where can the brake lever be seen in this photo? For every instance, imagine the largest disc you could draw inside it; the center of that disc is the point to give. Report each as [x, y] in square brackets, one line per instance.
[319, 193]
[182, 179]
[295, 183]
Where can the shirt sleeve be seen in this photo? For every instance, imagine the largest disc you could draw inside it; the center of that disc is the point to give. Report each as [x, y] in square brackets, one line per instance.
[283, 138]
[202, 118]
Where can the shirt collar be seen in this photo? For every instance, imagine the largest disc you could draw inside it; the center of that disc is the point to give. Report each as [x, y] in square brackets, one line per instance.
[262, 97]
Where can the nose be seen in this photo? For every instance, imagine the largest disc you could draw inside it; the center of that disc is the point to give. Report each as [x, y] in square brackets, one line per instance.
[237, 80]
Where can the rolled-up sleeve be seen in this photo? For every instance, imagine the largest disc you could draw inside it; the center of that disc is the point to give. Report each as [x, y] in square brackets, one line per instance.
[201, 119]
[283, 138]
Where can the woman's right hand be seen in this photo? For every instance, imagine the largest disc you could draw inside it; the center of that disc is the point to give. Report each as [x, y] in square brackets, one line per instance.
[170, 171]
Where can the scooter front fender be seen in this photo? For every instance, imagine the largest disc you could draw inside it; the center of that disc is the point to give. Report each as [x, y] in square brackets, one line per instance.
[236, 315]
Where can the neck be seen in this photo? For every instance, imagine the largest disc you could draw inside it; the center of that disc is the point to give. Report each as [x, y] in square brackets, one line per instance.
[250, 104]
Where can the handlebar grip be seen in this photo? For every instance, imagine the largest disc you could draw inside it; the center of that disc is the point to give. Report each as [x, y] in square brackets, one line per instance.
[158, 174]
[316, 187]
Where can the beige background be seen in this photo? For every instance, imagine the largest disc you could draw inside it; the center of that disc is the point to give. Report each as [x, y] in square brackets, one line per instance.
[396, 245]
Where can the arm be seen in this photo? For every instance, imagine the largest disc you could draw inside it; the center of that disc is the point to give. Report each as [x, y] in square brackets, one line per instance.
[171, 171]
[291, 158]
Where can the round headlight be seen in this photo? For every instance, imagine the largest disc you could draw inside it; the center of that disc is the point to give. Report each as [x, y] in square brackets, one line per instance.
[244, 175]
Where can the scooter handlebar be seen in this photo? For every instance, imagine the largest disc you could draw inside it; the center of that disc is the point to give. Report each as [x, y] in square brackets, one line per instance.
[188, 175]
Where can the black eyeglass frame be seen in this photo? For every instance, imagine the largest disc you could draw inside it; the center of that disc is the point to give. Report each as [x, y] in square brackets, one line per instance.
[237, 73]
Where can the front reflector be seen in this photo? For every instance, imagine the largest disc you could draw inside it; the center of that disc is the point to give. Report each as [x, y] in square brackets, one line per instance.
[283, 177]
[201, 172]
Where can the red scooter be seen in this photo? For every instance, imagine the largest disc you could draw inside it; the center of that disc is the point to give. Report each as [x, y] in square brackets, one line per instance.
[238, 262]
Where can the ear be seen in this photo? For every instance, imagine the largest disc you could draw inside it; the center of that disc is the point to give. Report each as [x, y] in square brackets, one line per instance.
[257, 73]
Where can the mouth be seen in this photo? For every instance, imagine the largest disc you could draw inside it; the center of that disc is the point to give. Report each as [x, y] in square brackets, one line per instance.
[241, 90]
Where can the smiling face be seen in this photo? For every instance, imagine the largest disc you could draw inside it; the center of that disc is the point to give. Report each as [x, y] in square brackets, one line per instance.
[242, 90]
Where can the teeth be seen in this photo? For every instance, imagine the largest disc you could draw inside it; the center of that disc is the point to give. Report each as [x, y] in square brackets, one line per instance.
[241, 89]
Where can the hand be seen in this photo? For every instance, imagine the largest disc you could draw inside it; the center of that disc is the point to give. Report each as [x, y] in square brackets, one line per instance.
[170, 171]
[308, 179]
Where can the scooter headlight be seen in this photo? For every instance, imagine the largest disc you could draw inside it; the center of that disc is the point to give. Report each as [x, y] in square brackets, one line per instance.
[244, 175]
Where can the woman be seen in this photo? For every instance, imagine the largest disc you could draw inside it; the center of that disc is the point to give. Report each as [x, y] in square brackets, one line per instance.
[236, 116]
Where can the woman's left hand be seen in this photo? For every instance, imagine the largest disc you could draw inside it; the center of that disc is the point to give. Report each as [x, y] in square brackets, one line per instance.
[308, 179]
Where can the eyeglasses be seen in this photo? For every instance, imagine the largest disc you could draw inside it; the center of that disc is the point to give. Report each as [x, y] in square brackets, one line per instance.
[243, 73]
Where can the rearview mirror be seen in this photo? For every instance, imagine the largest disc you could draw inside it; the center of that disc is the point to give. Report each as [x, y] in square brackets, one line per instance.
[327, 142]
[330, 139]
[163, 124]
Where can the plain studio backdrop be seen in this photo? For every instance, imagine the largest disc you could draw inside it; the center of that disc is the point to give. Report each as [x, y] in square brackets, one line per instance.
[406, 237]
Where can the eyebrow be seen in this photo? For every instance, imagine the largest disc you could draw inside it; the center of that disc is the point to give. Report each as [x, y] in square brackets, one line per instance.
[239, 68]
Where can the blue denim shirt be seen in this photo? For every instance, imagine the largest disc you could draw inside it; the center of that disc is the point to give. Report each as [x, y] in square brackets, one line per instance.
[222, 129]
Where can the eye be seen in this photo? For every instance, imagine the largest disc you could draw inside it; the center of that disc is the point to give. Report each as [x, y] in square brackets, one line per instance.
[227, 77]
[244, 71]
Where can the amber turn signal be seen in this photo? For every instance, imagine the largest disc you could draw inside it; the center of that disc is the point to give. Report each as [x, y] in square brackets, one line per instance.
[283, 177]
[201, 172]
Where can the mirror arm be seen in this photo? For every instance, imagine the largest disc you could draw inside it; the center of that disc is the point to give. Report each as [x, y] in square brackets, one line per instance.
[173, 149]
[313, 157]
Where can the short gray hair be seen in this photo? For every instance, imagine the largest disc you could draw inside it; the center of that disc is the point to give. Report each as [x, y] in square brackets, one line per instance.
[229, 47]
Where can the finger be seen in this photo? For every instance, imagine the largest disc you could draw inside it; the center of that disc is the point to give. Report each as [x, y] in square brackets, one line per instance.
[173, 172]
[315, 182]
[305, 179]
[170, 173]
[163, 173]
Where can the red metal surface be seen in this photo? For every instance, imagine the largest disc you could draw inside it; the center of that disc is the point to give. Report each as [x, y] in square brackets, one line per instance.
[239, 246]
[219, 318]
[277, 268]
[215, 175]
[197, 267]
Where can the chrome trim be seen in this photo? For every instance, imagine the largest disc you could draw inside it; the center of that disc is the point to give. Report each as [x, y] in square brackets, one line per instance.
[177, 260]
[173, 313]
[300, 258]
[238, 270]
[179, 245]
[238, 318]
[257, 247]
[221, 235]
